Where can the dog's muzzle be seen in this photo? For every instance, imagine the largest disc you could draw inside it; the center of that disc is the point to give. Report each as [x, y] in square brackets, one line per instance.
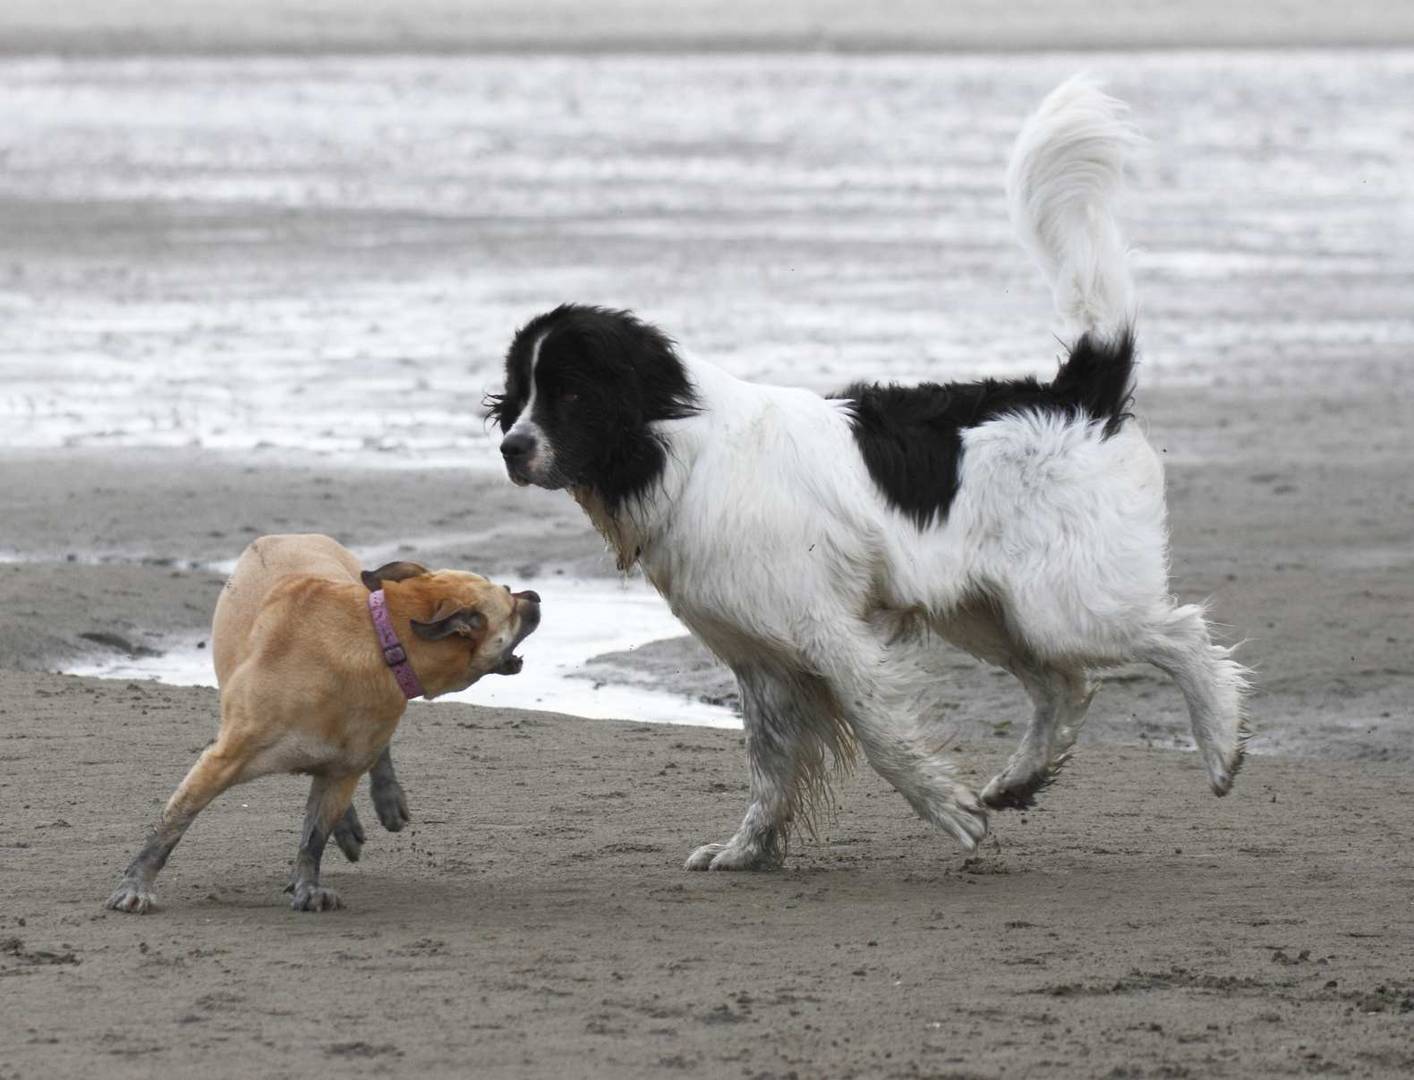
[528, 607]
[518, 450]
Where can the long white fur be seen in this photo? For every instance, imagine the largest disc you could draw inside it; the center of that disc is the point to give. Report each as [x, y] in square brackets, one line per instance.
[1065, 174]
[772, 543]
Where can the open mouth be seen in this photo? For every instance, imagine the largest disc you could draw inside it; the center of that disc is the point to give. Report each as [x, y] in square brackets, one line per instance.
[529, 604]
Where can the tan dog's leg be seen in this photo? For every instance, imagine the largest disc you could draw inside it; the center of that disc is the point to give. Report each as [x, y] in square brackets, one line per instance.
[329, 798]
[388, 800]
[215, 771]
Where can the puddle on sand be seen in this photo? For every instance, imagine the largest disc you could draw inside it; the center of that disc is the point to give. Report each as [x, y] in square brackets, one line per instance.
[582, 619]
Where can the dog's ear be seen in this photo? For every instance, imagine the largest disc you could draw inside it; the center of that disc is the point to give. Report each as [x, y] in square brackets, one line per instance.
[450, 619]
[393, 571]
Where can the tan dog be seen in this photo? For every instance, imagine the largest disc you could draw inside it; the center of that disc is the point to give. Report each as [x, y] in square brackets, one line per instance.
[308, 687]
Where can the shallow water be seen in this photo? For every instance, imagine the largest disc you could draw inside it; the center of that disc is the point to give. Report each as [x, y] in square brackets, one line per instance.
[590, 617]
[329, 254]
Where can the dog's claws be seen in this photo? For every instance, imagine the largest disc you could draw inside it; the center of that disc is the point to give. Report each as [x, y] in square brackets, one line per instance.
[132, 899]
[309, 897]
[727, 857]
[701, 859]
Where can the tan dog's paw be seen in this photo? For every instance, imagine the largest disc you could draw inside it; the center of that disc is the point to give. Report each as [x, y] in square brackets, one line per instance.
[349, 835]
[391, 804]
[132, 898]
[309, 897]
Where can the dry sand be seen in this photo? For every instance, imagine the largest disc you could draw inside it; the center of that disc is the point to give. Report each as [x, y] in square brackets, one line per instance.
[534, 921]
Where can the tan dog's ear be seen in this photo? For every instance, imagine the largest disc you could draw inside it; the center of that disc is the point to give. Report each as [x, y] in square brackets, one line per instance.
[393, 571]
[448, 620]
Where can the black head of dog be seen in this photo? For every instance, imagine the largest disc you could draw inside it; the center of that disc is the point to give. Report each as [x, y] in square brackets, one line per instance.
[584, 387]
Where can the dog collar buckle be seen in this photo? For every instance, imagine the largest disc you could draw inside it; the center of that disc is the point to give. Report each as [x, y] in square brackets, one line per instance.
[394, 655]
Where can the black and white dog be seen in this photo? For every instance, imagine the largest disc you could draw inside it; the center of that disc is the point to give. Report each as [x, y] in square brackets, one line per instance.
[821, 546]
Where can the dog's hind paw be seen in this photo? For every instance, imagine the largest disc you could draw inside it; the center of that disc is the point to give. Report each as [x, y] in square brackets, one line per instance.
[307, 897]
[1221, 778]
[1002, 796]
[1221, 775]
[1010, 790]
[392, 805]
[133, 898]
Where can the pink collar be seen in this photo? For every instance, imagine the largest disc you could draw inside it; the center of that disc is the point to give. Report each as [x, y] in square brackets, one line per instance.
[393, 651]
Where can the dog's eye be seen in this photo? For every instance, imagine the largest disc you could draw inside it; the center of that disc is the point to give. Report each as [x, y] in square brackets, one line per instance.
[569, 397]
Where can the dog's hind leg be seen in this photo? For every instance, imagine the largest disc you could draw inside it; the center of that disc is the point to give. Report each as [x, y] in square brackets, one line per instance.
[216, 770]
[1061, 696]
[329, 798]
[1213, 685]
[786, 755]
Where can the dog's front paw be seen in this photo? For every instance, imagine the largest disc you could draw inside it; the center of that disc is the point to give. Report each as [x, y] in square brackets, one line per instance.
[969, 824]
[132, 897]
[730, 857]
[349, 835]
[392, 805]
[308, 897]
[701, 859]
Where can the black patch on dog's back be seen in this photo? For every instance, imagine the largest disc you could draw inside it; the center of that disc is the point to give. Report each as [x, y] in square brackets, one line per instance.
[1097, 380]
[911, 436]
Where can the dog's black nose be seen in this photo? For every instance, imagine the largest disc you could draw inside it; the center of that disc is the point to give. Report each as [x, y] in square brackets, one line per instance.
[517, 447]
[529, 594]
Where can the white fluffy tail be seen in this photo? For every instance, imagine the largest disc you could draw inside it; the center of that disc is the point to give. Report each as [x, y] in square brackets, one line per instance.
[1065, 174]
